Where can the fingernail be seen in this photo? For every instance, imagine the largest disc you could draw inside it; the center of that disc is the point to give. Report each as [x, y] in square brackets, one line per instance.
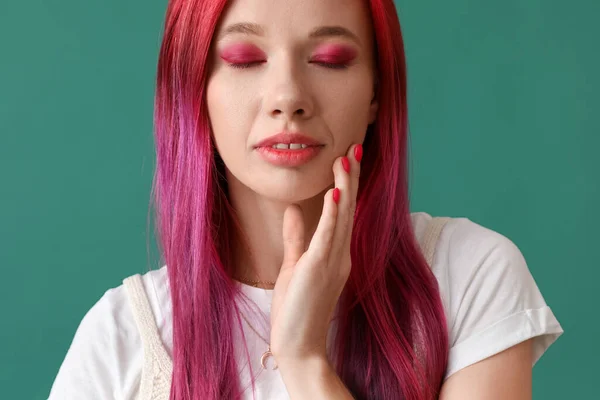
[336, 195]
[346, 164]
[358, 152]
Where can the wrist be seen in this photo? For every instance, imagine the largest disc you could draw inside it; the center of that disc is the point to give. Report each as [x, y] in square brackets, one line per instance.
[300, 364]
[312, 378]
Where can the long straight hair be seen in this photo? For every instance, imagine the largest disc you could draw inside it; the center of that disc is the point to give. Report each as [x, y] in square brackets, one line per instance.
[391, 339]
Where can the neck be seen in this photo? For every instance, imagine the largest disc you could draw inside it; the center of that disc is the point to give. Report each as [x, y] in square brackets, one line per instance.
[258, 254]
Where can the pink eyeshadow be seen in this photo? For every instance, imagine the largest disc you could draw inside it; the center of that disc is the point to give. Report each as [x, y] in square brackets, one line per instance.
[241, 53]
[336, 52]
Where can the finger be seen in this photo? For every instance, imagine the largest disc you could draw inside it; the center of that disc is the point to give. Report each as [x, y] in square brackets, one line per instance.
[344, 221]
[293, 235]
[354, 156]
[320, 243]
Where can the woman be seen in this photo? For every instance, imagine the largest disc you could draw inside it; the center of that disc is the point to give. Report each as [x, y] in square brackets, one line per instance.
[293, 265]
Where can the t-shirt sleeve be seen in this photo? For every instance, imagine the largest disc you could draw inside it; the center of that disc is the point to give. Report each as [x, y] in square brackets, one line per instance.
[491, 298]
[105, 358]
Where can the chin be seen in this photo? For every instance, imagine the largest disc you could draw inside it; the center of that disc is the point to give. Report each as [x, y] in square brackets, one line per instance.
[290, 191]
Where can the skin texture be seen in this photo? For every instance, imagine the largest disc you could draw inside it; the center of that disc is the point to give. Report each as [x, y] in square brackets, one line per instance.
[288, 89]
[295, 233]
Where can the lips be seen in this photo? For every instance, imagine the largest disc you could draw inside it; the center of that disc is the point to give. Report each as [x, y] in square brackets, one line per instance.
[288, 138]
[288, 157]
[289, 149]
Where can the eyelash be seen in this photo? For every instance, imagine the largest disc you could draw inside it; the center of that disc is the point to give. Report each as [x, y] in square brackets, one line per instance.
[324, 64]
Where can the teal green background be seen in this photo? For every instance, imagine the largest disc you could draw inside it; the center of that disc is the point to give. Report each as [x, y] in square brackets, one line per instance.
[502, 96]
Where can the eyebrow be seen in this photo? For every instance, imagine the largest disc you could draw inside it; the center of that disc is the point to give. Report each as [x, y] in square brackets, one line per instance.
[249, 28]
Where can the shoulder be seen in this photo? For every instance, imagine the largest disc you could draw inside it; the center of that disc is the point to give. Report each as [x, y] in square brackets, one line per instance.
[490, 297]
[156, 288]
[462, 239]
[465, 248]
[468, 253]
[105, 358]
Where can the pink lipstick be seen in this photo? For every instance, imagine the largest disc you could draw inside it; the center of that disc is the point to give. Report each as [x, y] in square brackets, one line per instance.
[288, 149]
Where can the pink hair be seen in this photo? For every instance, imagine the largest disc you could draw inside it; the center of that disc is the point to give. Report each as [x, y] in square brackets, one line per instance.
[391, 339]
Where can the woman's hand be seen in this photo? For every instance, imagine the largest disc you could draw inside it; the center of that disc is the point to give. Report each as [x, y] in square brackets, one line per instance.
[310, 283]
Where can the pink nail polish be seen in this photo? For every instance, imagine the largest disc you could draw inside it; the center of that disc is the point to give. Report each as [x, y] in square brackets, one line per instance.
[336, 195]
[358, 152]
[346, 164]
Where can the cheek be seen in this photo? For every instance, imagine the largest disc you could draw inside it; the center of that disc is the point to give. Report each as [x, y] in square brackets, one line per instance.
[228, 110]
[214, 103]
[346, 109]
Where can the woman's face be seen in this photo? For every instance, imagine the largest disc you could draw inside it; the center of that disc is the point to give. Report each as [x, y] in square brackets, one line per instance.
[292, 65]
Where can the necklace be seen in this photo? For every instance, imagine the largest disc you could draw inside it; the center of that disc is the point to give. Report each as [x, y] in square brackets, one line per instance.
[267, 353]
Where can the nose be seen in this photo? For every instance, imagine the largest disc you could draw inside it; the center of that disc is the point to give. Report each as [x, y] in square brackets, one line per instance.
[288, 96]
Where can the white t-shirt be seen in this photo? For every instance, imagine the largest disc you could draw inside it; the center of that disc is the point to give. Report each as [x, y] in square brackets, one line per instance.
[490, 298]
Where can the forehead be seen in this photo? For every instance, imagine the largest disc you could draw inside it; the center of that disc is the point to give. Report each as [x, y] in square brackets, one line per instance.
[296, 19]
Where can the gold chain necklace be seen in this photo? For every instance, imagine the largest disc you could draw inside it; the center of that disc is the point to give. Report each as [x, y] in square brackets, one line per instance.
[267, 353]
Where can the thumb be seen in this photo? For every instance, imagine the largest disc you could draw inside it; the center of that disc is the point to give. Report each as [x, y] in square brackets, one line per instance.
[293, 235]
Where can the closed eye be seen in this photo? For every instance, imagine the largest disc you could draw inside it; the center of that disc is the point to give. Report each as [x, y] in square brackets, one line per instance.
[244, 65]
[331, 65]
